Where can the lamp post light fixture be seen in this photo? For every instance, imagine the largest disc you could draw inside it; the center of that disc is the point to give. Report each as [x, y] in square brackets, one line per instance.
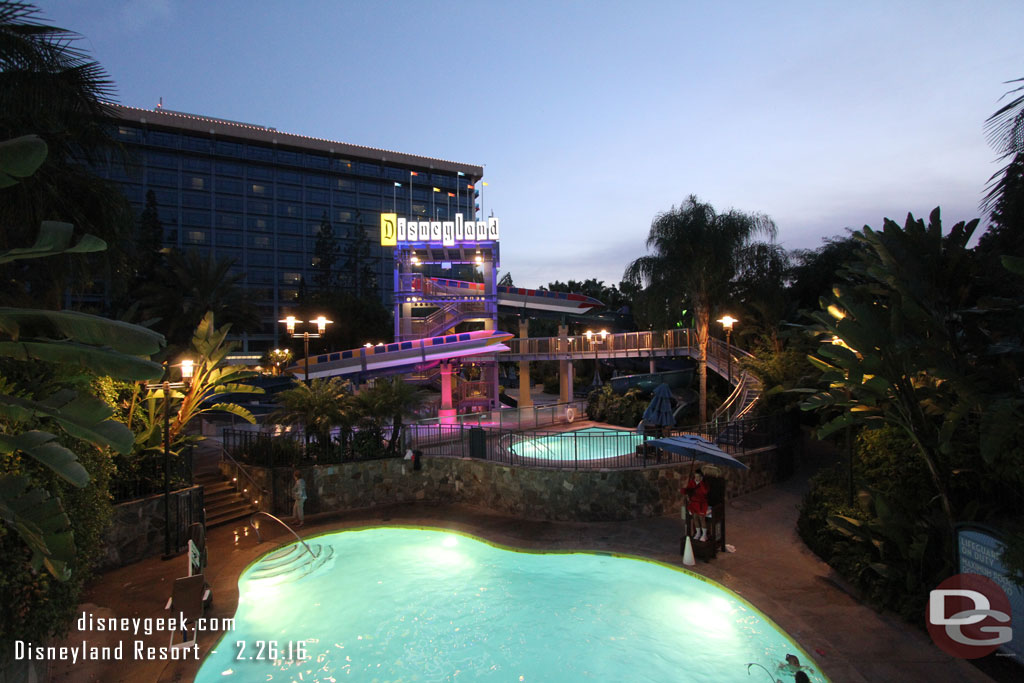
[187, 369]
[727, 322]
[321, 326]
[592, 338]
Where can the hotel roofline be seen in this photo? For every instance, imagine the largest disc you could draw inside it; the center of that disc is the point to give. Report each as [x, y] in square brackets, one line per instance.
[248, 132]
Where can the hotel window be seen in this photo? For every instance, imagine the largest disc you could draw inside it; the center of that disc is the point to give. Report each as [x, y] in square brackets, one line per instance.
[419, 209]
[364, 168]
[197, 182]
[290, 193]
[229, 239]
[345, 198]
[367, 186]
[229, 220]
[196, 237]
[396, 173]
[343, 165]
[289, 177]
[227, 168]
[291, 278]
[317, 196]
[234, 255]
[165, 178]
[162, 139]
[196, 218]
[289, 210]
[129, 134]
[195, 200]
[229, 204]
[229, 185]
[259, 276]
[369, 202]
[259, 153]
[258, 189]
[261, 258]
[289, 243]
[260, 241]
[161, 159]
[292, 158]
[289, 295]
[228, 149]
[260, 173]
[343, 184]
[255, 206]
[289, 260]
[260, 224]
[165, 198]
[343, 216]
[317, 161]
[195, 144]
[317, 180]
[289, 227]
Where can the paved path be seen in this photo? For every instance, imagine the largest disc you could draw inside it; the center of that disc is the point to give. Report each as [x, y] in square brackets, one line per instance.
[771, 568]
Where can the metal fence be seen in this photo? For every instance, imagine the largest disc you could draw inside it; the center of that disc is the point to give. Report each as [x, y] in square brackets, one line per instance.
[594, 449]
[518, 419]
[147, 476]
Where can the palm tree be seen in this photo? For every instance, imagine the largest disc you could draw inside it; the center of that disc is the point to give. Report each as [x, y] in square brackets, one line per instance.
[1006, 133]
[51, 88]
[398, 399]
[696, 256]
[318, 406]
[187, 286]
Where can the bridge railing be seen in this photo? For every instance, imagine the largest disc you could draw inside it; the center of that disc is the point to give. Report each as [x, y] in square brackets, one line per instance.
[580, 345]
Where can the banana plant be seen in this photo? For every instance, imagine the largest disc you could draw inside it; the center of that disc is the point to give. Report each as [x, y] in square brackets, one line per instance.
[212, 377]
[66, 337]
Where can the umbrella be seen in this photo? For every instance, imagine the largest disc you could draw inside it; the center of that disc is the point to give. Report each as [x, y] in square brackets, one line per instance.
[698, 449]
[659, 412]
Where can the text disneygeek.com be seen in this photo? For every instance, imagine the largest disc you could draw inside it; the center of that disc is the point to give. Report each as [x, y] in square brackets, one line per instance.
[186, 634]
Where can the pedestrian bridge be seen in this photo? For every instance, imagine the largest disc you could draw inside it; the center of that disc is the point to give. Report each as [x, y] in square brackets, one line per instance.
[723, 359]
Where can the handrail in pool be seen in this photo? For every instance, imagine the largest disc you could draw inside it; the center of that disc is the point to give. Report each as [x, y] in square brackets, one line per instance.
[281, 522]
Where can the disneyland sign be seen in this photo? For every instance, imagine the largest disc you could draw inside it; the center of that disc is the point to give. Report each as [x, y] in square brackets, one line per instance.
[395, 231]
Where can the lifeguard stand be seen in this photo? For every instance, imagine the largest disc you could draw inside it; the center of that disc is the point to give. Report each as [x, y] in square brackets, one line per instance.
[435, 293]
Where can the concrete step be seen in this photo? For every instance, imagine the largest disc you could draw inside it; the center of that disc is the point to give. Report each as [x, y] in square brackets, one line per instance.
[230, 514]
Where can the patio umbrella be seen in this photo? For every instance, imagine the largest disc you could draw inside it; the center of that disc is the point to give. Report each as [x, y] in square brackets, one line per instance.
[659, 412]
[697, 448]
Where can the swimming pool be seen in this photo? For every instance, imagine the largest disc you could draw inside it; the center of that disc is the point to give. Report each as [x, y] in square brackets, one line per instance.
[404, 604]
[581, 445]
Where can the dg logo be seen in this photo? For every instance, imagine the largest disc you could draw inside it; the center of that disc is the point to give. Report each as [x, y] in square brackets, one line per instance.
[968, 616]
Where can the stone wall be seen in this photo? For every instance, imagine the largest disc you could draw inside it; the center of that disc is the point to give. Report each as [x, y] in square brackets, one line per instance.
[137, 527]
[550, 494]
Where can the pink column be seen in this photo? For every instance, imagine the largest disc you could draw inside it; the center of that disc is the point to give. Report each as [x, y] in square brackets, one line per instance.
[446, 413]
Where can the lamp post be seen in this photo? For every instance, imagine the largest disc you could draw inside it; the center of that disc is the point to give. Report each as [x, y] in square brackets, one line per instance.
[166, 386]
[727, 322]
[592, 337]
[321, 326]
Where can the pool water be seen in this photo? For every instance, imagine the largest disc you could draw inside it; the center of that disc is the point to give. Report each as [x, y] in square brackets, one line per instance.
[401, 604]
[592, 443]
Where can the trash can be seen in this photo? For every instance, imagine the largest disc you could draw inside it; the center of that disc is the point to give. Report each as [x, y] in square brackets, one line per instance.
[477, 443]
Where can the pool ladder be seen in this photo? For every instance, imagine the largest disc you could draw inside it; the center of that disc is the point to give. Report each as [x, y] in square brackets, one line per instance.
[289, 563]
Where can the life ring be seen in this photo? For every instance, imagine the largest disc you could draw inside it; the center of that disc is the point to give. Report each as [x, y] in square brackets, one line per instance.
[570, 414]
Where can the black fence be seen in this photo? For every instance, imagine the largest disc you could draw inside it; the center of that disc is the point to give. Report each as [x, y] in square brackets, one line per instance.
[599, 448]
[143, 477]
[290, 449]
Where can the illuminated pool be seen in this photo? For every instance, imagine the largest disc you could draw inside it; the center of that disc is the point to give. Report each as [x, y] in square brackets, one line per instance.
[592, 443]
[401, 604]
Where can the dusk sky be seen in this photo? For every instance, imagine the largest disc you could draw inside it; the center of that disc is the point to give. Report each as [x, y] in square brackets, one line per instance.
[591, 117]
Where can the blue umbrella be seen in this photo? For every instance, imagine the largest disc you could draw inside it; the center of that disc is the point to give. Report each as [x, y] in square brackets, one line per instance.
[698, 449]
[659, 412]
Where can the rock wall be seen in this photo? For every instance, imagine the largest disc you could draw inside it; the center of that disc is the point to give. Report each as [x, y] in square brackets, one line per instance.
[137, 527]
[550, 494]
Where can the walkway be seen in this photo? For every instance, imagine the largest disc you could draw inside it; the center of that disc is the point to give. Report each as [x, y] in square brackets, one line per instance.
[771, 568]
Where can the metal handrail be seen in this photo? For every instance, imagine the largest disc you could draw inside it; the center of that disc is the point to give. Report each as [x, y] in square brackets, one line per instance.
[259, 539]
[241, 468]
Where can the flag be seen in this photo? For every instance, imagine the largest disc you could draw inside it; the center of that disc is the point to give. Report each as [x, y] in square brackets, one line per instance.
[485, 184]
[451, 194]
[469, 187]
[437, 189]
[461, 173]
[413, 173]
[398, 184]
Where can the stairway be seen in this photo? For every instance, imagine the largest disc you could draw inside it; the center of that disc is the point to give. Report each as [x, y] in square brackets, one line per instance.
[223, 502]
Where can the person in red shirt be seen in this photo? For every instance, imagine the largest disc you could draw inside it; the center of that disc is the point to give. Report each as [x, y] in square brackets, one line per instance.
[695, 500]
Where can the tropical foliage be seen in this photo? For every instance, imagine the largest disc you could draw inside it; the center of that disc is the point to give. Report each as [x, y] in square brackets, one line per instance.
[697, 253]
[318, 407]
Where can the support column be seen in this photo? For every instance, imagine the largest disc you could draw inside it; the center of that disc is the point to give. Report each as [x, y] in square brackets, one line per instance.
[446, 413]
[525, 399]
[564, 366]
[652, 368]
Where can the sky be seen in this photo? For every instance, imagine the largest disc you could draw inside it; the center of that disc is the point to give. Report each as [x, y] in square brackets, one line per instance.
[590, 118]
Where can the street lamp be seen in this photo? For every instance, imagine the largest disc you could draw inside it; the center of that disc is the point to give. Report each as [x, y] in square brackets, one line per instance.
[187, 369]
[321, 326]
[727, 322]
[592, 337]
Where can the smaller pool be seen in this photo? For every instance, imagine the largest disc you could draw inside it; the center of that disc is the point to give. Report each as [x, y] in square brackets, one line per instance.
[582, 445]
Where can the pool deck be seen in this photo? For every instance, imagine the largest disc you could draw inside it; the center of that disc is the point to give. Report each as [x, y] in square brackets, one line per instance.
[771, 568]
